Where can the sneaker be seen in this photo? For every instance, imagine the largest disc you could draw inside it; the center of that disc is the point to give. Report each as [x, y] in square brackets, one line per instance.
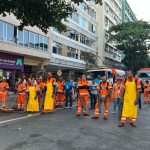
[121, 125]
[132, 124]
[66, 107]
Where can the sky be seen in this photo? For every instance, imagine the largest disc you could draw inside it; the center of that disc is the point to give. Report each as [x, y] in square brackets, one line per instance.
[141, 8]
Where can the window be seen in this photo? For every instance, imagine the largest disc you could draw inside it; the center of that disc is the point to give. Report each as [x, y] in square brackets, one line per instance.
[93, 29]
[144, 75]
[74, 17]
[73, 34]
[26, 38]
[84, 7]
[83, 23]
[20, 37]
[10, 33]
[1, 30]
[57, 48]
[41, 42]
[36, 41]
[31, 40]
[45, 43]
[72, 52]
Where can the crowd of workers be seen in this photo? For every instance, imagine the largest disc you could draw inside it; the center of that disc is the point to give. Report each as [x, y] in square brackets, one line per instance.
[46, 93]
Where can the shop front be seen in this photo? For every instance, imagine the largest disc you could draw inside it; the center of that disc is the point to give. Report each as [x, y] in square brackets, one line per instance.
[11, 66]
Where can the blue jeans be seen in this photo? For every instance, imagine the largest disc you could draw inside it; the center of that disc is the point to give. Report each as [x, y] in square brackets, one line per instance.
[119, 103]
[68, 98]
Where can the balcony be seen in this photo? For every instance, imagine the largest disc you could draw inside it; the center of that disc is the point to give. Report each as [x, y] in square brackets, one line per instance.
[67, 62]
[112, 55]
[17, 49]
[72, 43]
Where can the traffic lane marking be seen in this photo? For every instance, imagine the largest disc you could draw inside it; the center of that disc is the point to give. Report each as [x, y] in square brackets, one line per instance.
[20, 118]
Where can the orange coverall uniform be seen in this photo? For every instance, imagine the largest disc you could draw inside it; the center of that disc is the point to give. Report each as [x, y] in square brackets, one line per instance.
[3, 92]
[85, 95]
[21, 95]
[60, 93]
[146, 92]
[104, 89]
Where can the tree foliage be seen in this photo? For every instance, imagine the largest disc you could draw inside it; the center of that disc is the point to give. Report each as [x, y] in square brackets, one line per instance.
[133, 39]
[40, 13]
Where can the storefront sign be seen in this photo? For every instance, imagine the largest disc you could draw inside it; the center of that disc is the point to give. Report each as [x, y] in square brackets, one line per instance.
[9, 61]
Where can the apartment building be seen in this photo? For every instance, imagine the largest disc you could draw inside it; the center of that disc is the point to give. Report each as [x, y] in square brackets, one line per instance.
[21, 51]
[127, 13]
[69, 49]
[112, 12]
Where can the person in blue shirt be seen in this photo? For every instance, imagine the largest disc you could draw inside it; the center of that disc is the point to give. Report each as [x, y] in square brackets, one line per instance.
[98, 79]
[69, 92]
[94, 94]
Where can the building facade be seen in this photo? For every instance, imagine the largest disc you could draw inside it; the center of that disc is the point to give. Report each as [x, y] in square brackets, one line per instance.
[112, 12]
[30, 50]
[69, 49]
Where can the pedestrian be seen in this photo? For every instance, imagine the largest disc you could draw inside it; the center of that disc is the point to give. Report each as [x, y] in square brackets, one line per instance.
[69, 92]
[94, 94]
[24, 79]
[32, 103]
[21, 88]
[146, 92]
[50, 91]
[4, 87]
[98, 80]
[83, 95]
[104, 92]
[41, 85]
[117, 98]
[140, 82]
[60, 96]
[131, 94]
[117, 93]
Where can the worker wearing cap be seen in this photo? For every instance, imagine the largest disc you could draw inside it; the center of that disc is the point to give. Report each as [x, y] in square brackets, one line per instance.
[4, 87]
[83, 87]
[50, 90]
[60, 92]
[21, 95]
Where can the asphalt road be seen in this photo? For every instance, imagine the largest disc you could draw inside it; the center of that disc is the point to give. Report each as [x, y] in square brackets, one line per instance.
[63, 131]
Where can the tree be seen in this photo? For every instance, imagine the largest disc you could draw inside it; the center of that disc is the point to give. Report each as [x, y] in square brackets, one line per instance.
[40, 13]
[133, 39]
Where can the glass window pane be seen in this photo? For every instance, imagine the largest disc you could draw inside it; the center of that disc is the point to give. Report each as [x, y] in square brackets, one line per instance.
[31, 40]
[26, 38]
[45, 43]
[36, 41]
[10, 33]
[1, 30]
[20, 37]
[41, 43]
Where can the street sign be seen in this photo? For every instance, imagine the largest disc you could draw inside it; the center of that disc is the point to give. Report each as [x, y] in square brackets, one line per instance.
[59, 72]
